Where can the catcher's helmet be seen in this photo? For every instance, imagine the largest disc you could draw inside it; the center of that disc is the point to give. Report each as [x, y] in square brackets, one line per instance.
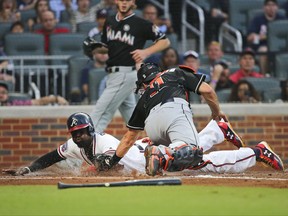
[89, 44]
[79, 121]
[146, 73]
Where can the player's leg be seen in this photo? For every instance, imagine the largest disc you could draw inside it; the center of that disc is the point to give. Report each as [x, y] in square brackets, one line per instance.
[127, 107]
[119, 86]
[235, 161]
[230, 161]
[210, 136]
[217, 132]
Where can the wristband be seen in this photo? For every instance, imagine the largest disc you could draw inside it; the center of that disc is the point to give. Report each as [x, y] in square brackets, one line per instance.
[214, 82]
[115, 159]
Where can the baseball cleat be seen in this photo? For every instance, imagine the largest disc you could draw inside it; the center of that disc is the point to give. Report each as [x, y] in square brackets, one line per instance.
[230, 135]
[154, 159]
[268, 157]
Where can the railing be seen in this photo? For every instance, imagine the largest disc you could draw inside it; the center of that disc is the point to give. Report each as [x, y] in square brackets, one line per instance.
[164, 6]
[187, 26]
[46, 76]
[232, 35]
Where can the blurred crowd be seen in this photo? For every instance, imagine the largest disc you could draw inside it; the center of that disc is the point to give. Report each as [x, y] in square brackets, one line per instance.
[228, 73]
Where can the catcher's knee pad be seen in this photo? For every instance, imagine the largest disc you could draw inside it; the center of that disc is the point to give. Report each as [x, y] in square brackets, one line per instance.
[183, 157]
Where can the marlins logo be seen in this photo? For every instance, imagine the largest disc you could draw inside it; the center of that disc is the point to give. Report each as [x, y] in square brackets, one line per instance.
[74, 122]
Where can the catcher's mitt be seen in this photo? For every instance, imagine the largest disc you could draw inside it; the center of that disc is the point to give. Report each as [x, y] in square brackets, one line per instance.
[102, 162]
[89, 44]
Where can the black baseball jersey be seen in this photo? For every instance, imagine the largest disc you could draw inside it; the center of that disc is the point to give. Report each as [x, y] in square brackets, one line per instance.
[127, 35]
[172, 83]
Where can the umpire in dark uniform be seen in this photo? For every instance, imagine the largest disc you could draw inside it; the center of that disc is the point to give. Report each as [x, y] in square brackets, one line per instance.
[125, 35]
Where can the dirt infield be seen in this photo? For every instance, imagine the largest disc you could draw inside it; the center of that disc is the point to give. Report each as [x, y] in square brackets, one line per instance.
[258, 176]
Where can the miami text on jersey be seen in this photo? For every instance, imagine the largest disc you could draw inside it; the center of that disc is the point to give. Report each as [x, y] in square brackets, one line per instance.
[120, 36]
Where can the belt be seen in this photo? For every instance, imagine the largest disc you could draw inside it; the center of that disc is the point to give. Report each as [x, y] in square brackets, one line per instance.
[167, 100]
[115, 69]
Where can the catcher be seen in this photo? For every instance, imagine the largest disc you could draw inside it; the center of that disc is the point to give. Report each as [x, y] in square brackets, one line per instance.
[96, 149]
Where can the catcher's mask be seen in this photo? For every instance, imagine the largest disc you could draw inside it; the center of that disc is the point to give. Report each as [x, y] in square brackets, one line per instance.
[146, 73]
[79, 121]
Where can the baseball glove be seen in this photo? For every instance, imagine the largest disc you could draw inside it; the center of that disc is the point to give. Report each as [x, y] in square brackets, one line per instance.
[102, 162]
[89, 44]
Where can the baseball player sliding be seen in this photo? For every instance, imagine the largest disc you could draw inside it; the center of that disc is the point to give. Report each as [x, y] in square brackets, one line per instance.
[164, 112]
[93, 148]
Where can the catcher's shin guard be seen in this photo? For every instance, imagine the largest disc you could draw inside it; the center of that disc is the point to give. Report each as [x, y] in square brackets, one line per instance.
[184, 156]
[160, 158]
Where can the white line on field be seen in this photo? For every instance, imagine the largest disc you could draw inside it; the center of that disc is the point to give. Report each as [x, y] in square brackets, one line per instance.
[238, 177]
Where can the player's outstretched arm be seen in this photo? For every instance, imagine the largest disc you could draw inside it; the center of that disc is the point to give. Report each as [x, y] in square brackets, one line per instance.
[39, 164]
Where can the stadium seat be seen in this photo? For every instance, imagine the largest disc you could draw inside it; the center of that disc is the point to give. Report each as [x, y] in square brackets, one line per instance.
[278, 36]
[281, 66]
[271, 95]
[4, 29]
[264, 84]
[238, 13]
[18, 96]
[75, 65]
[256, 12]
[66, 44]
[85, 27]
[60, 25]
[94, 2]
[173, 40]
[95, 77]
[204, 4]
[223, 95]
[25, 44]
[27, 14]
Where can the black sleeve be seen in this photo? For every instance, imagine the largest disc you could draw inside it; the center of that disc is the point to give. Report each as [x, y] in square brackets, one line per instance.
[45, 161]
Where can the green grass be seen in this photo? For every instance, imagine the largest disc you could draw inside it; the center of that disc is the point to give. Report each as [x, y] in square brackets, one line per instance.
[153, 200]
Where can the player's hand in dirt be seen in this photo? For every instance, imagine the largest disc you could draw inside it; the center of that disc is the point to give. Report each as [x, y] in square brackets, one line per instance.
[16, 172]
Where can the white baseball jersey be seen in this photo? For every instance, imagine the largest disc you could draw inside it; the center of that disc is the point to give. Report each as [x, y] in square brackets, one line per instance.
[232, 161]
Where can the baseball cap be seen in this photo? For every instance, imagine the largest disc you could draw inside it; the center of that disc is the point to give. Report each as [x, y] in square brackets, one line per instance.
[102, 13]
[5, 85]
[248, 52]
[191, 53]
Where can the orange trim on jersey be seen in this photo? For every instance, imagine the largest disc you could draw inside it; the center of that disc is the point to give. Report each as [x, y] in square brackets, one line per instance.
[187, 68]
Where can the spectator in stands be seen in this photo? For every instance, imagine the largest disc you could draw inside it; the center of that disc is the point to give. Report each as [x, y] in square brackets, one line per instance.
[26, 4]
[244, 92]
[17, 27]
[191, 59]
[8, 11]
[169, 58]
[109, 5]
[257, 31]
[49, 22]
[247, 65]
[220, 77]
[5, 101]
[219, 13]
[150, 13]
[5, 69]
[100, 57]
[214, 53]
[63, 5]
[40, 7]
[101, 16]
[84, 13]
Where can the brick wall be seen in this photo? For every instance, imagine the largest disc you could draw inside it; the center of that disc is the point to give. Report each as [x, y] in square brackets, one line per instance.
[23, 139]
